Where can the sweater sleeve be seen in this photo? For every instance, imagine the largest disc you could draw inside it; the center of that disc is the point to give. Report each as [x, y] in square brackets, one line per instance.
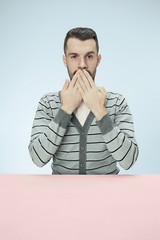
[47, 133]
[119, 136]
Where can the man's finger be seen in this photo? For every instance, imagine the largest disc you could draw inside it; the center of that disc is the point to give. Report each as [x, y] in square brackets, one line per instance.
[82, 84]
[85, 80]
[80, 89]
[89, 78]
[66, 84]
[74, 79]
[102, 90]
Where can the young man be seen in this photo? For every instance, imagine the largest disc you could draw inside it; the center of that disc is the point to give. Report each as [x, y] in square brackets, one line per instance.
[82, 128]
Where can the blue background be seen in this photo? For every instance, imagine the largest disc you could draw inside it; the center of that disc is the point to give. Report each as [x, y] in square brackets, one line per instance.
[31, 42]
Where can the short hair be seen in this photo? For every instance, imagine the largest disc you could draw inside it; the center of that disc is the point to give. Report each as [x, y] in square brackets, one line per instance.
[82, 34]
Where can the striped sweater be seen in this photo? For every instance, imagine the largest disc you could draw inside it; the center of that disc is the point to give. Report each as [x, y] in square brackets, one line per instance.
[94, 148]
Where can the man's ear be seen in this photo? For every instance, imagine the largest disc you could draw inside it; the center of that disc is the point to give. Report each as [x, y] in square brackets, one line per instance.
[99, 59]
[65, 60]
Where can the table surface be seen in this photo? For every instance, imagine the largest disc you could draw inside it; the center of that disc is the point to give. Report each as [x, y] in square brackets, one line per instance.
[79, 207]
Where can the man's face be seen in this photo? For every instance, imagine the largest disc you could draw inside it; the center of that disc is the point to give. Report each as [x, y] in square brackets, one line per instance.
[81, 55]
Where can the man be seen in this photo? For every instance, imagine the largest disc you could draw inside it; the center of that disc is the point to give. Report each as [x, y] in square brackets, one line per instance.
[84, 129]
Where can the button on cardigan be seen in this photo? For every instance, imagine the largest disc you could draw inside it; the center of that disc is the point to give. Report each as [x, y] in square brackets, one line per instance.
[97, 147]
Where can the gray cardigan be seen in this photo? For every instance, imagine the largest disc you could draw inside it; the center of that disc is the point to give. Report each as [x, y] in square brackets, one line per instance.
[94, 148]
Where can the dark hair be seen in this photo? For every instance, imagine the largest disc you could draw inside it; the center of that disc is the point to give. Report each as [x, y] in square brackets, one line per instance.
[81, 34]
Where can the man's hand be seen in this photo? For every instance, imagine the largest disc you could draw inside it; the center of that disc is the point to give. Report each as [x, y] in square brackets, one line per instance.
[70, 96]
[93, 97]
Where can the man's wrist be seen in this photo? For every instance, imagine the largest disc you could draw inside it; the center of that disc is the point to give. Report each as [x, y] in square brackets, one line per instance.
[67, 110]
[100, 113]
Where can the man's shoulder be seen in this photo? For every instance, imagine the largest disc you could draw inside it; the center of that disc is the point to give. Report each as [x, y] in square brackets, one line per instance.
[114, 96]
[51, 96]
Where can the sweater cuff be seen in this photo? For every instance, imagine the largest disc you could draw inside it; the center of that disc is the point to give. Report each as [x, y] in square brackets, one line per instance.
[105, 124]
[62, 118]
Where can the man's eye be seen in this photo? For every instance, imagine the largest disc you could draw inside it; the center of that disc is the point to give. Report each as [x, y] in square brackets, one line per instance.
[89, 56]
[74, 56]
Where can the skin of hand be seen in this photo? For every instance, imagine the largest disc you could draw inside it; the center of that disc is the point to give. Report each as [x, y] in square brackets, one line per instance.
[70, 95]
[93, 96]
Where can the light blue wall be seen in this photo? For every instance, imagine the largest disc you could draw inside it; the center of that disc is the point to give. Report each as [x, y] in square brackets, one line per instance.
[31, 42]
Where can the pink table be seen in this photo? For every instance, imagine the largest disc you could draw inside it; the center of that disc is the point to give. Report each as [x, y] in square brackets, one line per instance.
[79, 207]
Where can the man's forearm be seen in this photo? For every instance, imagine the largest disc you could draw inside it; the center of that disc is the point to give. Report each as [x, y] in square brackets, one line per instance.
[119, 135]
[67, 109]
[46, 137]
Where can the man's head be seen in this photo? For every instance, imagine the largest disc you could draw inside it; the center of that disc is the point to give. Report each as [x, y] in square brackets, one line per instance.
[81, 51]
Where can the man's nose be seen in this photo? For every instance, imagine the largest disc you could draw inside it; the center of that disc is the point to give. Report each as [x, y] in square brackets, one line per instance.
[82, 64]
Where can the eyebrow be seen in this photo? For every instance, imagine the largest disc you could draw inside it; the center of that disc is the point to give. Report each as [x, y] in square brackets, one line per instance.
[91, 52]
